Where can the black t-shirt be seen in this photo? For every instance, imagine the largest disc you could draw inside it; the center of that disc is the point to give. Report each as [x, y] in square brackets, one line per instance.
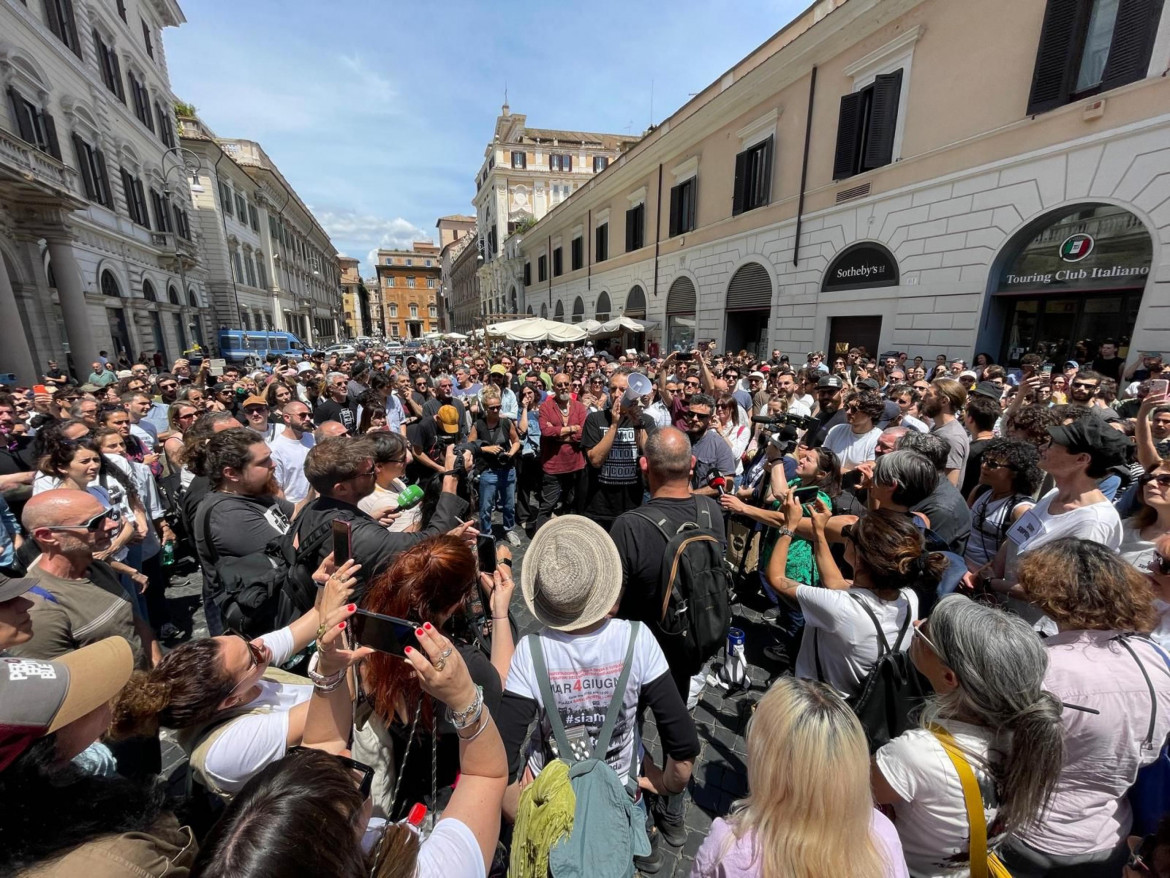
[949, 515]
[432, 408]
[328, 410]
[974, 462]
[642, 549]
[815, 437]
[1110, 368]
[497, 435]
[616, 485]
[424, 434]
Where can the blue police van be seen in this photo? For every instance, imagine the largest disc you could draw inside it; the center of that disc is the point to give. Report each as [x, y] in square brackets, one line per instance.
[249, 346]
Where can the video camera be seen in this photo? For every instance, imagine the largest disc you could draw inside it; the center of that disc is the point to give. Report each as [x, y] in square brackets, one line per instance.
[800, 422]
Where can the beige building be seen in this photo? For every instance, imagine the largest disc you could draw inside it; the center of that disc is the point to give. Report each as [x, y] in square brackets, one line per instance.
[456, 235]
[867, 177]
[526, 173]
[270, 263]
[461, 288]
[355, 305]
[408, 285]
[97, 246]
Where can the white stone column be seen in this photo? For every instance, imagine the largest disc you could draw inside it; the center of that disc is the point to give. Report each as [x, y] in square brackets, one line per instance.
[17, 355]
[75, 312]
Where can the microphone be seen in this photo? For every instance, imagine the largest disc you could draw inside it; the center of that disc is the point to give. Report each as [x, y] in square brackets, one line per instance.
[410, 497]
[716, 480]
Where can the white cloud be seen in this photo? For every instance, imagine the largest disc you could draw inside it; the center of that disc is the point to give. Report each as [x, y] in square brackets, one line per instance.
[356, 232]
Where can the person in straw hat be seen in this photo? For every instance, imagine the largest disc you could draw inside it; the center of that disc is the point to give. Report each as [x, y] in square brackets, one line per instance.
[571, 581]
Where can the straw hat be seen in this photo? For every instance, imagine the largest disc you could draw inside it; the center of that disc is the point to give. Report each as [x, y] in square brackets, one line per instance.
[572, 573]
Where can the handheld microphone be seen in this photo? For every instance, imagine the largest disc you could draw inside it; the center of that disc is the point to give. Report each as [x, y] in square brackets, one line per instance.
[716, 480]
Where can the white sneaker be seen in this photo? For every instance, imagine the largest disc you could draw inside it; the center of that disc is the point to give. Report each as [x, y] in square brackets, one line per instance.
[513, 538]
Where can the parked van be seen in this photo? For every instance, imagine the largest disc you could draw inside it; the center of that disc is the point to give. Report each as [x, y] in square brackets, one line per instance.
[253, 345]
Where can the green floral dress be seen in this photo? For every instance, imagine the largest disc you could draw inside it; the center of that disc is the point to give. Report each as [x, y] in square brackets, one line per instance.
[802, 566]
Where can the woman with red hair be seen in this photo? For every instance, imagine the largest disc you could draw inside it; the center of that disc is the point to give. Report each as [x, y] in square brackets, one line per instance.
[433, 581]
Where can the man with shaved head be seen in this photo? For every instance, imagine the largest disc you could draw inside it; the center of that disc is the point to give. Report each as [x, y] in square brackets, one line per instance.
[291, 446]
[78, 600]
[641, 539]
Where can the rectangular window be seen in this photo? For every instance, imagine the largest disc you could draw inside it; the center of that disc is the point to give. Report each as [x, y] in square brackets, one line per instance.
[560, 162]
[753, 177]
[238, 266]
[166, 132]
[121, 9]
[182, 223]
[541, 269]
[393, 309]
[414, 312]
[162, 212]
[34, 125]
[59, 16]
[409, 261]
[253, 218]
[389, 261]
[110, 67]
[135, 199]
[429, 263]
[601, 243]
[250, 268]
[225, 197]
[600, 163]
[866, 126]
[636, 228]
[394, 328]
[261, 273]
[430, 283]
[92, 165]
[682, 207]
[527, 274]
[577, 253]
[558, 263]
[241, 208]
[147, 41]
[141, 101]
[410, 283]
[519, 159]
[1091, 46]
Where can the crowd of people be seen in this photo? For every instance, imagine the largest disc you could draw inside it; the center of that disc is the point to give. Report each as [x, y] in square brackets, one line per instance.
[999, 535]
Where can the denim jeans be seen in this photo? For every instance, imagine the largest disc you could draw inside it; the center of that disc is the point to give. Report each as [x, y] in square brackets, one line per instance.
[497, 484]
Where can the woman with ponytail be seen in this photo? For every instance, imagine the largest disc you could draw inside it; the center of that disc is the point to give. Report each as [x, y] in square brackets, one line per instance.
[890, 564]
[987, 669]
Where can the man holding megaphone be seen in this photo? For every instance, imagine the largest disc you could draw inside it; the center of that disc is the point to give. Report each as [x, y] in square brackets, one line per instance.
[612, 440]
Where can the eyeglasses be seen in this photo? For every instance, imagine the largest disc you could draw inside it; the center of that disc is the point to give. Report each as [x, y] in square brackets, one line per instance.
[996, 464]
[92, 526]
[562, 384]
[363, 775]
[364, 475]
[852, 407]
[185, 417]
[493, 408]
[691, 384]
[696, 416]
[917, 627]
[170, 385]
[256, 657]
[1086, 385]
[1163, 479]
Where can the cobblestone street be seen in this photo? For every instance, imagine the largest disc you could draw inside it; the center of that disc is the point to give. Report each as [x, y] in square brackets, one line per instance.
[720, 774]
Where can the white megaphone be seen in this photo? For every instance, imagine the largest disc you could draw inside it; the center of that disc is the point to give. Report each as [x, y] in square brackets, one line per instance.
[639, 386]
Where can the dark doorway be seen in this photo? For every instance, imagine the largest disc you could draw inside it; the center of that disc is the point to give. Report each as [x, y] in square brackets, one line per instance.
[854, 332]
[119, 333]
[748, 331]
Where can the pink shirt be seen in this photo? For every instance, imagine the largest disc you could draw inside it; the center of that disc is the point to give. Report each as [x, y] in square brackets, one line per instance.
[723, 855]
[1088, 811]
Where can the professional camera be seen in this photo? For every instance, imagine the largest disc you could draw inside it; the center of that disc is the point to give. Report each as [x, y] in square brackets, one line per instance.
[800, 422]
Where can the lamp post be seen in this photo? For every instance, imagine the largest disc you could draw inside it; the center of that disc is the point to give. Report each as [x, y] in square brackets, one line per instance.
[307, 307]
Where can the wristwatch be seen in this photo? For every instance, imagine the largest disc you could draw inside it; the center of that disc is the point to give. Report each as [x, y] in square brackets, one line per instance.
[785, 532]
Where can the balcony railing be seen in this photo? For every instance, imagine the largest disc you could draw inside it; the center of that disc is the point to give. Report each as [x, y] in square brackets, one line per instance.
[32, 165]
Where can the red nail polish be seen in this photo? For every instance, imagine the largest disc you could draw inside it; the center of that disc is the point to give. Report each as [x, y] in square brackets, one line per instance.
[418, 632]
[427, 626]
[341, 625]
[409, 650]
[351, 607]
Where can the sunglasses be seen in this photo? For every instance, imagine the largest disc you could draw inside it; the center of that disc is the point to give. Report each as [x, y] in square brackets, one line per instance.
[92, 526]
[493, 408]
[1163, 479]
[996, 464]
[1085, 385]
[256, 657]
[918, 632]
[696, 416]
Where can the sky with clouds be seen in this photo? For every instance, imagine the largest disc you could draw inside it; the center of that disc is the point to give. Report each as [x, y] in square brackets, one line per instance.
[379, 112]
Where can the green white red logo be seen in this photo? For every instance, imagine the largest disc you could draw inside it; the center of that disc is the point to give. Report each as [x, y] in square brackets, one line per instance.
[1076, 247]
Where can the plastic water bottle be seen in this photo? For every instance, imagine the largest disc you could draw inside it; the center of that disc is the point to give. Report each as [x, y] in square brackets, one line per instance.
[168, 553]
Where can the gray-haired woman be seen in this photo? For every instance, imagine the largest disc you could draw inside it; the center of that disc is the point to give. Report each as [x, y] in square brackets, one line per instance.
[987, 669]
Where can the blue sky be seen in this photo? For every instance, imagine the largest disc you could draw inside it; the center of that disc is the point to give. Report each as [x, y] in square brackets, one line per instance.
[379, 112]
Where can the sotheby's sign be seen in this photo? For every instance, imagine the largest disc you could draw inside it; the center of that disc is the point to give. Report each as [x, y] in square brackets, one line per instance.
[860, 266]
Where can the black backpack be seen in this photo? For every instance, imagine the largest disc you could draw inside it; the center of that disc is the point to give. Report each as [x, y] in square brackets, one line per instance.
[695, 589]
[266, 590]
[892, 690]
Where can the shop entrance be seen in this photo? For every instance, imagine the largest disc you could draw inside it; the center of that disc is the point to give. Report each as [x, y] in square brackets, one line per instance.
[748, 305]
[854, 332]
[1069, 328]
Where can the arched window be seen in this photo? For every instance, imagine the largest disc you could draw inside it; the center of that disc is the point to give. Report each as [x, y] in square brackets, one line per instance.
[110, 285]
[602, 310]
[544, 311]
[148, 291]
[559, 313]
[530, 314]
[173, 295]
[578, 310]
[192, 298]
[636, 302]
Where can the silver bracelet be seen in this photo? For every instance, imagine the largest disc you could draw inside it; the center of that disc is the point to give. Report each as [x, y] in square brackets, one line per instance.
[463, 719]
[326, 682]
[484, 717]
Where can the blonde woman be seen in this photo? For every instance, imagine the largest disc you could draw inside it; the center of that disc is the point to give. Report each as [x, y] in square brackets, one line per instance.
[809, 813]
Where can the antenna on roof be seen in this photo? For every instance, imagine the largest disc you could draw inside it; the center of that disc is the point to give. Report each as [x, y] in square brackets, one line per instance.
[651, 103]
[505, 110]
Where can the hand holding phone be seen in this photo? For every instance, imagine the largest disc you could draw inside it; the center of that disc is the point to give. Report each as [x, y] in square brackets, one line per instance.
[386, 634]
[1158, 386]
[806, 495]
[485, 547]
[342, 537]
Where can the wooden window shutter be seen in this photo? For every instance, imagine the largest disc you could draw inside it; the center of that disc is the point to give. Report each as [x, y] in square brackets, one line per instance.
[741, 174]
[692, 218]
[99, 49]
[140, 199]
[630, 229]
[116, 65]
[106, 195]
[70, 23]
[51, 135]
[1051, 78]
[675, 193]
[1133, 41]
[849, 123]
[765, 175]
[883, 120]
[83, 166]
[23, 123]
[128, 191]
[53, 17]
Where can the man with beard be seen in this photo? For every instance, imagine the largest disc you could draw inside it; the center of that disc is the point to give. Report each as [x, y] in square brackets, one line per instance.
[290, 447]
[612, 440]
[942, 403]
[168, 393]
[711, 452]
[242, 513]
[691, 384]
[829, 413]
[785, 389]
[1083, 389]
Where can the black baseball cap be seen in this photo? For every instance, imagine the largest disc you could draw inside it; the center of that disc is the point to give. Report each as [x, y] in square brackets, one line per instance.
[989, 389]
[1091, 435]
[830, 382]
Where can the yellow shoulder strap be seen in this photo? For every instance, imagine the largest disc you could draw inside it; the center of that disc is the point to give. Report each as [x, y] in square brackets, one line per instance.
[972, 798]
